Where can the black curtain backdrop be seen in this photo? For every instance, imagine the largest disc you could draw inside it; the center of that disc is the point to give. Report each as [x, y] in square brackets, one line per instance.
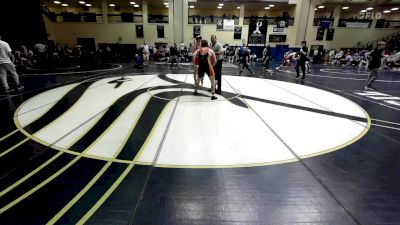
[22, 21]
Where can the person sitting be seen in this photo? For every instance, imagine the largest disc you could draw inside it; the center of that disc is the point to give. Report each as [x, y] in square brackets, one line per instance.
[356, 60]
[338, 57]
[393, 60]
[138, 61]
[363, 60]
[331, 55]
[21, 62]
[347, 60]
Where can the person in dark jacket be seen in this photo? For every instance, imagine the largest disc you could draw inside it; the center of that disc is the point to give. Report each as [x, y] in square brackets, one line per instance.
[374, 65]
[301, 61]
[266, 59]
[245, 62]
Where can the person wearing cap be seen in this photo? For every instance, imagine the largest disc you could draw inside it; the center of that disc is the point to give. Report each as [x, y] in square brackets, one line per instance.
[375, 63]
[217, 48]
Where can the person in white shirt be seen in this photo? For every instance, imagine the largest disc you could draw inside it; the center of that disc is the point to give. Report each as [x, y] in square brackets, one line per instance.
[363, 61]
[348, 59]
[392, 59]
[7, 66]
[145, 52]
[338, 57]
[182, 47]
[331, 55]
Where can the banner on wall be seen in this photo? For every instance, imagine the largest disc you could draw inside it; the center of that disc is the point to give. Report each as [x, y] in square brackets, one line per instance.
[278, 29]
[282, 23]
[139, 30]
[237, 33]
[329, 34]
[160, 31]
[196, 30]
[277, 38]
[220, 24]
[320, 34]
[257, 32]
[357, 24]
[228, 25]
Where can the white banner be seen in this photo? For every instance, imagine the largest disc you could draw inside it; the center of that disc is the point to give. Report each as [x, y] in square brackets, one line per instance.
[229, 25]
[357, 24]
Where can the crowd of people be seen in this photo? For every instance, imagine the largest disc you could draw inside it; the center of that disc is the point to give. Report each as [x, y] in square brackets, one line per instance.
[49, 56]
[359, 58]
[385, 56]
[355, 57]
[42, 55]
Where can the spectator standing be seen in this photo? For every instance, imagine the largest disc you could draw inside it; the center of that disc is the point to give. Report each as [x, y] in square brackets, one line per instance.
[217, 48]
[7, 66]
[40, 50]
[266, 59]
[301, 62]
[146, 53]
[375, 63]
[245, 62]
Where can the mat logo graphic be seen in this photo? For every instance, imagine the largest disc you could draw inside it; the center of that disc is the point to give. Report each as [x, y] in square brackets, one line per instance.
[152, 119]
[389, 99]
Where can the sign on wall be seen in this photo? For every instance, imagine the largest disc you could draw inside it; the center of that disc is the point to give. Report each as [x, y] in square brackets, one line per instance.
[278, 29]
[320, 34]
[358, 24]
[220, 24]
[139, 31]
[160, 31]
[237, 33]
[282, 23]
[257, 32]
[196, 31]
[371, 15]
[228, 25]
[277, 38]
[329, 34]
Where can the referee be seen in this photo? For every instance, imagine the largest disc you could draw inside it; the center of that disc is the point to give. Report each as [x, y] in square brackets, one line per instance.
[217, 48]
